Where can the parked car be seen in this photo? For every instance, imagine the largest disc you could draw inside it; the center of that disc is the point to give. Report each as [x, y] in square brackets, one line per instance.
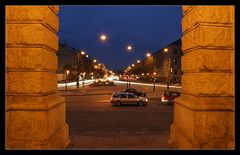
[120, 98]
[136, 92]
[169, 96]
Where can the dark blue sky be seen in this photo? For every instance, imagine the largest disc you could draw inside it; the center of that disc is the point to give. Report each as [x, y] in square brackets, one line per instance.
[144, 27]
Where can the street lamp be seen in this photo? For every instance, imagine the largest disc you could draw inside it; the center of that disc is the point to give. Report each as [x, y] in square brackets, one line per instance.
[86, 56]
[129, 48]
[138, 61]
[165, 50]
[103, 37]
[148, 54]
[67, 71]
[154, 80]
[95, 60]
[133, 65]
[82, 53]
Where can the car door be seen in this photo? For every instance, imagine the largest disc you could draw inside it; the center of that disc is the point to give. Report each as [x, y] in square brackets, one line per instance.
[124, 98]
[131, 99]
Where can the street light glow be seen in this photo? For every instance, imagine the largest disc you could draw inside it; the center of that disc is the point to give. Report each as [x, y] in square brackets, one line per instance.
[148, 54]
[165, 49]
[94, 60]
[86, 56]
[103, 37]
[133, 65]
[154, 73]
[129, 47]
[67, 72]
[82, 52]
[138, 61]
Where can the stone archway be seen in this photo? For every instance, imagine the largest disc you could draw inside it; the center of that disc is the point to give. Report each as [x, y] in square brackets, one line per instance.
[203, 115]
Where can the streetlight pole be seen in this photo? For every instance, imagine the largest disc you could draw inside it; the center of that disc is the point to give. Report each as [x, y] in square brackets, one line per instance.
[154, 81]
[66, 79]
[168, 79]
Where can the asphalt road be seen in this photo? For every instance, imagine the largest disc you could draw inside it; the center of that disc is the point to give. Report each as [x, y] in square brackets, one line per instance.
[95, 124]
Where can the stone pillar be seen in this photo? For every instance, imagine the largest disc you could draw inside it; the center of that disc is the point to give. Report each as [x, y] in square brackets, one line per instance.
[35, 114]
[204, 113]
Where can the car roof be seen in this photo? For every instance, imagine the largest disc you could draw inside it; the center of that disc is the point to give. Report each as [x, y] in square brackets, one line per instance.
[122, 92]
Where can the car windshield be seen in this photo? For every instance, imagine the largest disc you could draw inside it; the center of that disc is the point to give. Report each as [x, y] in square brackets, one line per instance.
[116, 95]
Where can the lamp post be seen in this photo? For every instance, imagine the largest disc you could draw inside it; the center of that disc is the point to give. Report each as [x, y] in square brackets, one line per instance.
[154, 81]
[66, 79]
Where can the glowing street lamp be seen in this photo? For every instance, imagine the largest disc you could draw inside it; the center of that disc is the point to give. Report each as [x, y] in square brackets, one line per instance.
[129, 47]
[148, 54]
[94, 60]
[86, 56]
[138, 61]
[103, 37]
[82, 53]
[165, 50]
[133, 65]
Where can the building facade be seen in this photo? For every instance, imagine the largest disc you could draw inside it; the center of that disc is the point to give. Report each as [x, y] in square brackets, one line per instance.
[167, 63]
[66, 58]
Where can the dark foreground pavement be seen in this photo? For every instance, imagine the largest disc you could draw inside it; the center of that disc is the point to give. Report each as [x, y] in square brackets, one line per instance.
[95, 124]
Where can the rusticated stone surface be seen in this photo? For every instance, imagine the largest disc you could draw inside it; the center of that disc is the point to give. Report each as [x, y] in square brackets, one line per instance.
[208, 84]
[203, 130]
[209, 36]
[31, 34]
[31, 124]
[31, 82]
[33, 14]
[201, 61]
[30, 59]
[204, 113]
[35, 114]
[206, 14]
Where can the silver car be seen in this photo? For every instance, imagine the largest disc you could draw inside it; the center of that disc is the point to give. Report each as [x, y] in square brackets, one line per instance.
[120, 98]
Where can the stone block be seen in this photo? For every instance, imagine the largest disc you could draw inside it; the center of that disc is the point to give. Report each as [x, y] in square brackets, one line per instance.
[178, 139]
[206, 103]
[207, 14]
[30, 59]
[55, 8]
[33, 14]
[31, 82]
[231, 128]
[187, 8]
[206, 36]
[37, 125]
[29, 35]
[199, 60]
[209, 127]
[185, 120]
[207, 84]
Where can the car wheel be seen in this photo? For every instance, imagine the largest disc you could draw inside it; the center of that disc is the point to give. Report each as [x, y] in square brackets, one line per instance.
[118, 103]
[140, 103]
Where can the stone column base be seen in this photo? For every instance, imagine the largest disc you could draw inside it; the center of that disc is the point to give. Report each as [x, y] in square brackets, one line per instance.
[58, 140]
[202, 123]
[41, 126]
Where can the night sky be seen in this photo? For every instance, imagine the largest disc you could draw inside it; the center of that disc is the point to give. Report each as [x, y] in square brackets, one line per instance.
[146, 28]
